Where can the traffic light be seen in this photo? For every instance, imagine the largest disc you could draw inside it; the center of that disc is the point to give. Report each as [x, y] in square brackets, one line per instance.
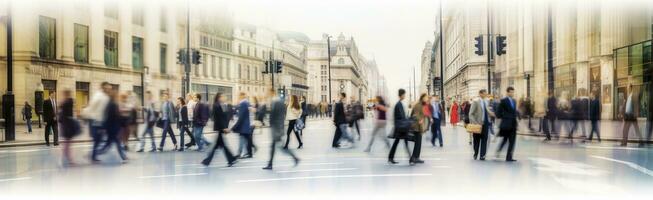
[181, 56]
[197, 57]
[501, 45]
[279, 66]
[267, 66]
[479, 45]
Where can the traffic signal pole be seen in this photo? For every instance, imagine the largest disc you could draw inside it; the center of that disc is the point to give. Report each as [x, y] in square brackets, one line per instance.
[489, 51]
[185, 88]
[8, 99]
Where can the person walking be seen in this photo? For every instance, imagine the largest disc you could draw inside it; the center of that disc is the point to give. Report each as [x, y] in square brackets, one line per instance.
[508, 128]
[631, 112]
[94, 113]
[550, 116]
[243, 127]
[356, 113]
[50, 118]
[127, 113]
[261, 111]
[402, 125]
[421, 114]
[221, 125]
[277, 118]
[436, 116]
[27, 116]
[479, 115]
[293, 113]
[595, 116]
[379, 123]
[190, 106]
[114, 122]
[200, 118]
[69, 126]
[150, 118]
[167, 117]
[182, 121]
[340, 120]
[306, 110]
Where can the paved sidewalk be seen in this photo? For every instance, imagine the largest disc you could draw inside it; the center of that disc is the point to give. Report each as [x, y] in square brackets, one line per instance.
[610, 130]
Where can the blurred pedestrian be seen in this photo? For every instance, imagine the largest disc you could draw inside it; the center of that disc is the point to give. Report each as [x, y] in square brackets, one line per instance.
[356, 113]
[479, 115]
[95, 114]
[340, 121]
[190, 106]
[182, 121]
[305, 112]
[128, 112]
[436, 116]
[50, 117]
[631, 112]
[595, 116]
[402, 126]
[277, 118]
[201, 113]
[150, 118]
[261, 111]
[421, 115]
[293, 113]
[114, 122]
[243, 127]
[166, 119]
[551, 115]
[221, 125]
[564, 112]
[509, 122]
[27, 116]
[68, 124]
[379, 124]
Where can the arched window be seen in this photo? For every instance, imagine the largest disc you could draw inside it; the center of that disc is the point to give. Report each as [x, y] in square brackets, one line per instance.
[341, 61]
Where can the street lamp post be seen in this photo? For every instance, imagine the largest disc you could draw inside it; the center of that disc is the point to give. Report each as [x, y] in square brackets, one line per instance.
[329, 64]
[8, 99]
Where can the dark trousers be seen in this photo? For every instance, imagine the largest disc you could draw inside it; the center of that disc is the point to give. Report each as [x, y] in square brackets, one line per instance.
[246, 144]
[549, 127]
[595, 129]
[96, 134]
[417, 148]
[219, 143]
[626, 129]
[436, 131]
[51, 127]
[510, 139]
[112, 137]
[336, 137]
[358, 131]
[480, 142]
[291, 128]
[286, 151]
[167, 129]
[393, 149]
[182, 129]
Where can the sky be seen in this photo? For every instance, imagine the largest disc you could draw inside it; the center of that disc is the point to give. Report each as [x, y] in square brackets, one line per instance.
[393, 32]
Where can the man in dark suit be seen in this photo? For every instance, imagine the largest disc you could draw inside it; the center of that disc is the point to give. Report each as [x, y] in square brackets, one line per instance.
[436, 116]
[508, 127]
[551, 113]
[595, 116]
[200, 118]
[243, 126]
[340, 120]
[399, 114]
[277, 119]
[631, 112]
[221, 125]
[50, 118]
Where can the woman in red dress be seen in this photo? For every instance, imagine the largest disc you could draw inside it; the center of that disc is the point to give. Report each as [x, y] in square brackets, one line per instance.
[454, 114]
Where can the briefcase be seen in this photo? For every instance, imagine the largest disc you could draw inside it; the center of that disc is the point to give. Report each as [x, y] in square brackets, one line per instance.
[474, 128]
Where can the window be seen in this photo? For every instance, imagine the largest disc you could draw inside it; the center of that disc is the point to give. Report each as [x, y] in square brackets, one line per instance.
[163, 51]
[213, 66]
[47, 37]
[240, 71]
[249, 77]
[81, 43]
[137, 14]
[110, 49]
[163, 20]
[111, 9]
[341, 61]
[239, 49]
[247, 50]
[137, 53]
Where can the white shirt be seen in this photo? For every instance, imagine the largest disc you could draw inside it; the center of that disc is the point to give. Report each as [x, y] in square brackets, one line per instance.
[190, 107]
[96, 107]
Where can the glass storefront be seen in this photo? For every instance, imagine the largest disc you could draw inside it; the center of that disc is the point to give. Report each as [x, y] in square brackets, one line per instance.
[208, 92]
[634, 67]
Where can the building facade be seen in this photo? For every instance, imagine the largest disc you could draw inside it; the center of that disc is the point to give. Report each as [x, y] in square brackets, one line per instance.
[347, 69]
[426, 73]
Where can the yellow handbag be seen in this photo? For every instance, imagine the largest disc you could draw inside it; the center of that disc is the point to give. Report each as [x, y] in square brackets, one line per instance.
[474, 128]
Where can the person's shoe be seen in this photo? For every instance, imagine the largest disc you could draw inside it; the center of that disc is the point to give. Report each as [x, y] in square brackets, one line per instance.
[56, 144]
[511, 160]
[269, 167]
[411, 163]
[482, 158]
[418, 161]
[153, 150]
[189, 144]
[180, 149]
[336, 146]
[232, 163]
[300, 145]
[140, 150]
[160, 149]
[47, 144]
[247, 156]
[175, 147]
[474, 156]
[285, 147]
[206, 162]
[392, 162]
[296, 162]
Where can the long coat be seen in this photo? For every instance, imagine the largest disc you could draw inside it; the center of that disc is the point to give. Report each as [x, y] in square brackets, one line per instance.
[243, 125]
[508, 115]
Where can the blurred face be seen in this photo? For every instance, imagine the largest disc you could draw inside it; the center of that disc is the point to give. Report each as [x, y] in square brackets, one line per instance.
[178, 102]
[482, 94]
[165, 97]
[510, 93]
[425, 99]
[107, 89]
[195, 98]
[148, 96]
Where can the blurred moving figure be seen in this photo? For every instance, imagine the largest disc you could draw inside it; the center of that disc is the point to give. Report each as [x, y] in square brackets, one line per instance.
[69, 126]
[166, 118]
[400, 131]
[453, 116]
[305, 112]
[631, 111]
[340, 120]
[293, 112]
[421, 114]
[379, 124]
[95, 114]
[564, 112]
[356, 113]
[190, 106]
[479, 114]
[243, 127]
[261, 111]
[182, 121]
[509, 121]
[436, 116]
[128, 112]
[50, 118]
[595, 116]
[221, 125]
[27, 116]
[201, 114]
[551, 114]
[277, 118]
[150, 121]
[579, 107]
[113, 124]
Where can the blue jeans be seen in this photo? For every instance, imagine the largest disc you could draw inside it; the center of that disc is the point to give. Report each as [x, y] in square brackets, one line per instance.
[436, 132]
[29, 125]
[149, 130]
[197, 132]
[345, 133]
[167, 129]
